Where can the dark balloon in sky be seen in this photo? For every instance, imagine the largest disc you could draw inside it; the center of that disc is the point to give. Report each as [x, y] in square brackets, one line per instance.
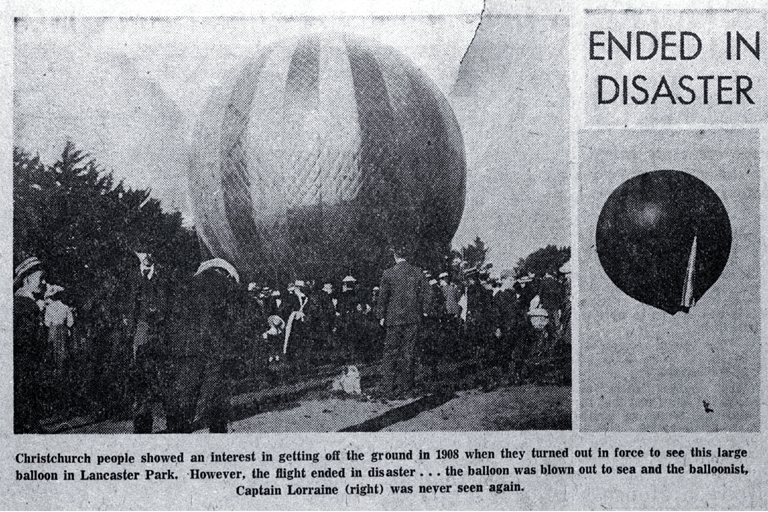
[664, 238]
[321, 153]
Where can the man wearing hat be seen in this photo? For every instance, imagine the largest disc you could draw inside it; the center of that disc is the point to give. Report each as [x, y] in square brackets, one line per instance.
[276, 305]
[479, 310]
[451, 294]
[351, 318]
[146, 315]
[327, 318]
[452, 320]
[201, 343]
[28, 346]
[300, 330]
[565, 315]
[432, 339]
[402, 305]
[348, 299]
[59, 320]
[550, 294]
[526, 290]
[254, 323]
[510, 325]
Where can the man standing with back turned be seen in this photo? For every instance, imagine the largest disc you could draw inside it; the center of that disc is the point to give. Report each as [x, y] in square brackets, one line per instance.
[201, 344]
[400, 309]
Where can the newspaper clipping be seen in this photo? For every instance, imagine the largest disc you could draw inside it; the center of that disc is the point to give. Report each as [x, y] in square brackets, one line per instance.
[435, 255]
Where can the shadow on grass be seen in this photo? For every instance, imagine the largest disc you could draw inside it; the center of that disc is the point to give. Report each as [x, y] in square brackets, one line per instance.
[546, 411]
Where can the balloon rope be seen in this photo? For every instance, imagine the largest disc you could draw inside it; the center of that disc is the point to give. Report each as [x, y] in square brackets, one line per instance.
[688, 300]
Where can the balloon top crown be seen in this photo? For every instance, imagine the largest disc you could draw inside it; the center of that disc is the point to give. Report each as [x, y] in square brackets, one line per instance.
[339, 134]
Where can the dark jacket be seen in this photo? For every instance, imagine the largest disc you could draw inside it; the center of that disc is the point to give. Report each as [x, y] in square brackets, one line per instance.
[28, 353]
[404, 295]
[348, 306]
[327, 311]
[437, 307]
[204, 317]
[147, 301]
[28, 339]
[550, 293]
[509, 314]
[479, 303]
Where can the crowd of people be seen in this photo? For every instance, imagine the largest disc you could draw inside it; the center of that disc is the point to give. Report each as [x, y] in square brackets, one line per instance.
[188, 341]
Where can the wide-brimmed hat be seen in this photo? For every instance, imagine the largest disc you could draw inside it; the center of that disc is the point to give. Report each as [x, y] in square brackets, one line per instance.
[25, 268]
[349, 279]
[219, 263]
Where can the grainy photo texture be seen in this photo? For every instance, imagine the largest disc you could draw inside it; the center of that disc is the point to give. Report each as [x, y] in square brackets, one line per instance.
[291, 224]
[669, 252]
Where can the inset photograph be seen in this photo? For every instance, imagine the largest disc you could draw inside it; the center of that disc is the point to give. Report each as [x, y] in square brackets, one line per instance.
[669, 280]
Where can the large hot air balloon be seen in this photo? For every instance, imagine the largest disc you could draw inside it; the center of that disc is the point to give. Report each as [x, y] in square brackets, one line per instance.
[323, 152]
[664, 238]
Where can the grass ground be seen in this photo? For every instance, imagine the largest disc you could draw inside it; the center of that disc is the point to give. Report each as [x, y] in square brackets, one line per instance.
[527, 407]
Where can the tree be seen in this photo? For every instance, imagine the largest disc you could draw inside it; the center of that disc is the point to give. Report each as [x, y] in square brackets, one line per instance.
[83, 225]
[472, 256]
[539, 262]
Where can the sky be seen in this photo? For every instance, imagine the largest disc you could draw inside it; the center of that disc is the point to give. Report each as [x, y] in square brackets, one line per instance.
[130, 91]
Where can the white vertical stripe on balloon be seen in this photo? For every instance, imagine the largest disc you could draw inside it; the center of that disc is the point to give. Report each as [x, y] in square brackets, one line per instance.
[205, 186]
[302, 134]
[265, 144]
[340, 172]
[264, 149]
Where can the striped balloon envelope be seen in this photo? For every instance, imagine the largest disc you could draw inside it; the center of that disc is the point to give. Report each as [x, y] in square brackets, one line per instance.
[323, 152]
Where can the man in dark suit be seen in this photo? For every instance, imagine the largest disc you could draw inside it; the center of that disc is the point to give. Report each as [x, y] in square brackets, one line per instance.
[551, 297]
[432, 336]
[401, 306]
[276, 305]
[302, 327]
[201, 342]
[148, 296]
[351, 320]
